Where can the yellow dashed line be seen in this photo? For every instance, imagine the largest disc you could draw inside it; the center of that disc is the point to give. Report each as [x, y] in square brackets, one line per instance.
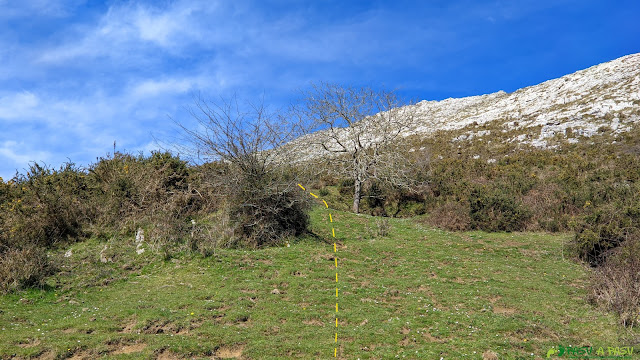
[335, 249]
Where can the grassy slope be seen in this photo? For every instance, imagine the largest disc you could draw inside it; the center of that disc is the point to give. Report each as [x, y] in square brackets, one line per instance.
[417, 293]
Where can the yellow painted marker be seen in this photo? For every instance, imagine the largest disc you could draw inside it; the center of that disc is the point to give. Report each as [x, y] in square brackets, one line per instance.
[336, 337]
[302, 187]
[325, 204]
[336, 259]
[334, 247]
[336, 292]
[336, 307]
[336, 277]
[335, 352]
[336, 322]
[333, 231]
[314, 195]
[330, 218]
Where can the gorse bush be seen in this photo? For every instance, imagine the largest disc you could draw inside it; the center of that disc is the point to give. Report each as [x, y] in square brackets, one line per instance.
[603, 229]
[44, 208]
[493, 209]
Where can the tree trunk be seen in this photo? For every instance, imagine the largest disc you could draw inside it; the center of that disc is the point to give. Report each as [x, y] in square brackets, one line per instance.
[356, 195]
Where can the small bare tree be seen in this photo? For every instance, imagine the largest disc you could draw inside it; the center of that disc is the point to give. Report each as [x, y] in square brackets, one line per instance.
[360, 128]
[241, 143]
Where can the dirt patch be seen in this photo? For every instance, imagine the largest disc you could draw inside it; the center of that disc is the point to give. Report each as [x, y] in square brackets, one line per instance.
[164, 327]
[29, 344]
[128, 349]
[230, 352]
[69, 331]
[489, 355]
[405, 331]
[504, 310]
[82, 355]
[430, 338]
[315, 322]
[129, 326]
[47, 355]
[167, 355]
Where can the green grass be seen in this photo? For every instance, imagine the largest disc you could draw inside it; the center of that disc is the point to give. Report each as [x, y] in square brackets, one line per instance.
[417, 293]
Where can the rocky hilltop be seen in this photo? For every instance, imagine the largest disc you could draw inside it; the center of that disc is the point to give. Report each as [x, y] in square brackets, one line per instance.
[604, 97]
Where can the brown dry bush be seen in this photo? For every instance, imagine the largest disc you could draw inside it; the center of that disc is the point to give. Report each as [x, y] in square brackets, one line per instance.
[23, 267]
[452, 216]
[616, 284]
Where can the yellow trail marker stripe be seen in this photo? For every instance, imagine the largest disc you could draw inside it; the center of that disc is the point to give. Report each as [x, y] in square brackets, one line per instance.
[335, 250]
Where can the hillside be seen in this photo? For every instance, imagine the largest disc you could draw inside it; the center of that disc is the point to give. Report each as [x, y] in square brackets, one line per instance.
[413, 293]
[604, 97]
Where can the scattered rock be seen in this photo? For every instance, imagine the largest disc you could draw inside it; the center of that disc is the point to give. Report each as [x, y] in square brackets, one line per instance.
[275, 291]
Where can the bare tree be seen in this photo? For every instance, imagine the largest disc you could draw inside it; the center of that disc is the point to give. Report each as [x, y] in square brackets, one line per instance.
[242, 142]
[361, 129]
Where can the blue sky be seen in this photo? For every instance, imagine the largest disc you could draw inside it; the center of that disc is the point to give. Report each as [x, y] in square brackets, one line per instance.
[76, 75]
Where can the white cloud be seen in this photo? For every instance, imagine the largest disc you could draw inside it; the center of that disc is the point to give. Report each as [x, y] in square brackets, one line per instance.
[19, 105]
[18, 153]
[152, 88]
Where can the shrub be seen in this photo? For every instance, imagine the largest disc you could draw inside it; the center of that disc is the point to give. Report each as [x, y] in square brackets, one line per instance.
[382, 227]
[602, 230]
[616, 284]
[266, 215]
[452, 215]
[46, 207]
[23, 267]
[492, 209]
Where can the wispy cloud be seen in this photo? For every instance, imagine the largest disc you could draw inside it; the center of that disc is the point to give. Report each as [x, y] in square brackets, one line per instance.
[77, 75]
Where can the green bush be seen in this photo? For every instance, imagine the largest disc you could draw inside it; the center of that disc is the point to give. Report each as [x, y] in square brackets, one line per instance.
[492, 209]
[604, 229]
